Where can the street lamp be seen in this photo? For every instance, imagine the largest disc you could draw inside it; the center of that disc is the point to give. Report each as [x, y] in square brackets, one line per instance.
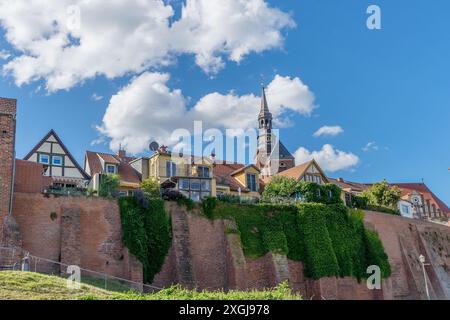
[422, 262]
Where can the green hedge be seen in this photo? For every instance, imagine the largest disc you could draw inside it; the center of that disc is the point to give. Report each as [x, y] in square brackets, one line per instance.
[330, 239]
[146, 233]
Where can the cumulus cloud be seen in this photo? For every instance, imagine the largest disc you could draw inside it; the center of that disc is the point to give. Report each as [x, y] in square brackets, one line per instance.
[148, 109]
[328, 131]
[70, 41]
[329, 158]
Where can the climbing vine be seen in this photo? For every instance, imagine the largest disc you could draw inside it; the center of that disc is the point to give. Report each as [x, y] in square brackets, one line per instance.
[146, 232]
[331, 240]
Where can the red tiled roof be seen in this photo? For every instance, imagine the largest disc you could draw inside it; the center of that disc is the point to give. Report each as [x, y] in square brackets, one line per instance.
[422, 188]
[354, 186]
[126, 172]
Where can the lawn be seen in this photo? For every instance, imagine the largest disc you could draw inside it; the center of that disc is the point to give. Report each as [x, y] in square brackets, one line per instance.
[16, 285]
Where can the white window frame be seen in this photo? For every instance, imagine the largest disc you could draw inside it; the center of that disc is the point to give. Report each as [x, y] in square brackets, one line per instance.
[109, 166]
[57, 157]
[44, 155]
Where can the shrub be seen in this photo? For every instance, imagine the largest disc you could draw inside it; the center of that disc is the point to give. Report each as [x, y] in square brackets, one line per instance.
[382, 194]
[288, 190]
[151, 187]
[109, 185]
[208, 205]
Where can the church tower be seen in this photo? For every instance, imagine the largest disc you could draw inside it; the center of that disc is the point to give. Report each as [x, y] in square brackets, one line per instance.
[272, 156]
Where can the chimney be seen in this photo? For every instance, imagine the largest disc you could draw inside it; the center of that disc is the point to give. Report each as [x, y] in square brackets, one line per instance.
[340, 179]
[121, 153]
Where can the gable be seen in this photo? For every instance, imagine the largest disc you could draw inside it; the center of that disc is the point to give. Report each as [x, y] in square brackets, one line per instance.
[60, 161]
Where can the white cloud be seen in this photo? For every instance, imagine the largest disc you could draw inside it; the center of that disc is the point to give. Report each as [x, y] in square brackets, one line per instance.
[329, 158]
[370, 146]
[96, 97]
[120, 37]
[148, 109]
[4, 55]
[329, 131]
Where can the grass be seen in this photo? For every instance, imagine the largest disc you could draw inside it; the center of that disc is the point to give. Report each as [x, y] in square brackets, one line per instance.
[15, 285]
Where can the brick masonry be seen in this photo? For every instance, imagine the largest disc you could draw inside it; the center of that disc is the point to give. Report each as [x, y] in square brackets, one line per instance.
[206, 253]
[74, 230]
[7, 143]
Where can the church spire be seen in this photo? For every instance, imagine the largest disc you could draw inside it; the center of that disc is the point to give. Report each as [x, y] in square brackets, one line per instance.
[265, 117]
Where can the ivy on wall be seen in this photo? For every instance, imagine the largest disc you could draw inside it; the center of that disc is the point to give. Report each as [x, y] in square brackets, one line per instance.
[146, 232]
[331, 240]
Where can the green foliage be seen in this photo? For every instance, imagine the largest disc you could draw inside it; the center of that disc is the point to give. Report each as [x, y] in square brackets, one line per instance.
[146, 233]
[279, 187]
[330, 239]
[151, 187]
[109, 184]
[208, 205]
[283, 189]
[18, 285]
[228, 198]
[375, 254]
[382, 194]
[281, 292]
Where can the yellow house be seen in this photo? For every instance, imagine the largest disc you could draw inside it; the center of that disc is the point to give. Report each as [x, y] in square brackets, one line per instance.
[192, 176]
[238, 179]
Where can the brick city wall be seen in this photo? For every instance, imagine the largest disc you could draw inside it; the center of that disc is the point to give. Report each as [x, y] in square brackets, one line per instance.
[204, 256]
[29, 177]
[7, 140]
[74, 230]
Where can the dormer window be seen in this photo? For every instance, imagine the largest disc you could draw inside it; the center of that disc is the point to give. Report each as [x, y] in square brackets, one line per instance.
[111, 169]
[252, 182]
[203, 172]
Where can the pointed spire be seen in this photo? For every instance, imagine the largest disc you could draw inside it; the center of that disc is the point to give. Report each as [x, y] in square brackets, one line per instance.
[264, 113]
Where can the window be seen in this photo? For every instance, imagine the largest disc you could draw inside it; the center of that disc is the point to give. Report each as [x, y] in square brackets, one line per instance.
[44, 158]
[251, 182]
[203, 172]
[195, 185]
[171, 169]
[318, 180]
[206, 185]
[57, 160]
[195, 196]
[405, 209]
[110, 169]
[184, 184]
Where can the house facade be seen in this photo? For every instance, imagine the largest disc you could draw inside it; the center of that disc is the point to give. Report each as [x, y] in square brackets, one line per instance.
[99, 164]
[191, 176]
[58, 162]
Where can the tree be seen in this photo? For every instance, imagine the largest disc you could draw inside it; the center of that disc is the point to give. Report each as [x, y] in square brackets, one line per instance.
[383, 194]
[280, 187]
[109, 184]
[151, 187]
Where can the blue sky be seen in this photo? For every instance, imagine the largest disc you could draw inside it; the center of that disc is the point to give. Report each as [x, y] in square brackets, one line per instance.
[389, 87]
